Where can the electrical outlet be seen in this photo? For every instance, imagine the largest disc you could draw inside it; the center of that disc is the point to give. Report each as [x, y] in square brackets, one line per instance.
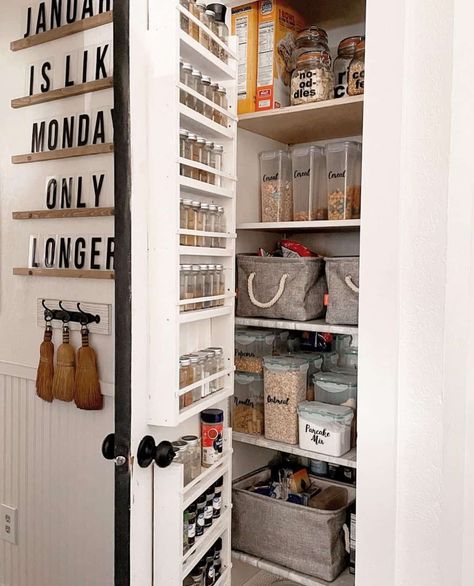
[8, 523]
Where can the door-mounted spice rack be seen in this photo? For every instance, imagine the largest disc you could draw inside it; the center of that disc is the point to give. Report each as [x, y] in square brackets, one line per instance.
[63, 31]
[66, 92]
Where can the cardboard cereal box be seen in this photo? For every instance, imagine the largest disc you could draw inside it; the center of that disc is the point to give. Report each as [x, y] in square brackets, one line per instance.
[245, 27]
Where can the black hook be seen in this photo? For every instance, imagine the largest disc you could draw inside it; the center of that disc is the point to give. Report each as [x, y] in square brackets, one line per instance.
[66, 318]
[88, 317]
[48, 313]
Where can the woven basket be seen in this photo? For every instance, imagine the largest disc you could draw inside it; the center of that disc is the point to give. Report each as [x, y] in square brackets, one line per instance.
[343, 285]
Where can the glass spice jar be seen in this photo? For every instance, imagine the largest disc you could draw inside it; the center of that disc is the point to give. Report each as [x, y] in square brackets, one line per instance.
[198, 286]
[215, 92]
[188, 220]
[196, 220]
[194, 448]
[183, 221]
[194, 9]
[184, 20]
[207, 93]
[185, 378]
[217, 155]
[197, 87]
[220, 11]
[183, 136]
[204, 223]
[222, 225]
[213, 45]
[224, 104]
[357, 71]
[209, 149]
[186, 72]
[203, 36]
[197, 369]
[345, 54]
[213, 225]
[196, 153]
[312, 80]
[201, 143]
[185, 287]
[208, 283]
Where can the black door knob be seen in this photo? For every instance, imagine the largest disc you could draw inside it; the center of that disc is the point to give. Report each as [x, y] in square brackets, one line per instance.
[108, 447]
[162, 454]
[108, 450]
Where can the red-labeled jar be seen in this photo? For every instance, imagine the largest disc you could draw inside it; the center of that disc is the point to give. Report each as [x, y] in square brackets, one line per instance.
[212, 429]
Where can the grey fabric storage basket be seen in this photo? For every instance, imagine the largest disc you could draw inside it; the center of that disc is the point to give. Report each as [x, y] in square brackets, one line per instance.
[281, 288]
[301, 538]
[342, 276]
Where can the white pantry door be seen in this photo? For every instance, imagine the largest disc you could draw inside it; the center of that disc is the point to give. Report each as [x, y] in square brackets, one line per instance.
[151, 330]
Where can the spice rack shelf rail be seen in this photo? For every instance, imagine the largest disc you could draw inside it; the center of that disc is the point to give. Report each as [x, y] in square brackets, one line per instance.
[66, 92]
[202, 545]
[195, 187]
[349, 459]
[345, 579]
[318, 325]
[210, 475]
[336, 118]
[204, 60]
[70, 213]
[199, 124]
[63, 31]
[204, 251]
[204, 381]
[203, 404]
[310, 226]
[200, 314]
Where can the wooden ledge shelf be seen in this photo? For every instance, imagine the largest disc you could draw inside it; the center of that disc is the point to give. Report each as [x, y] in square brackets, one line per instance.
[65, 92]
[70, 213]
[64, 273]
[337, 118]
[83, 151]
[63, 31]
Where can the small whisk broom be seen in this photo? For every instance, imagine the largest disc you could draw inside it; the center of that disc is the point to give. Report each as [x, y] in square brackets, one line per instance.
[87, 393]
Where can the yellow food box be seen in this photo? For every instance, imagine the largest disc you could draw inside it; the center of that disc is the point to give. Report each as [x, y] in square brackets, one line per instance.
[245, 27]
[278, 26]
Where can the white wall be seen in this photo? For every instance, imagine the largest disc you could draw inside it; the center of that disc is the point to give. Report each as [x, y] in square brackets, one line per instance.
[50, 462]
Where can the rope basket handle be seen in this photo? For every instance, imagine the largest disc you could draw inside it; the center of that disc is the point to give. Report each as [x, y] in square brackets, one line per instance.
[271, 303]
[350, 283]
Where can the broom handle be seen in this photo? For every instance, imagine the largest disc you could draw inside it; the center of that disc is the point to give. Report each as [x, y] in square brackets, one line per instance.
[65, 334]
[85, 337]
[48, 333]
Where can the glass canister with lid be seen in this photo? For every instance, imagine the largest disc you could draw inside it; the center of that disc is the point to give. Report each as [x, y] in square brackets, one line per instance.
[247, 410]
[311, 38]
[357, 71]
[345, 54]
[343, 161]
[309, 183]
[284, 388]
[250, 347]
[312, 80]
[276, 186]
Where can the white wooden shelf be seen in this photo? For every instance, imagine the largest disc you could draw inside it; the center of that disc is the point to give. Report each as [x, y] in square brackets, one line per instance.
[204, 543]
[205, 403]
[201, 314]
[345, 579]
[204, 250]
[308, 122]
[206, 479]
[194, 53]
[204, 381]
[318, 325]
[311, 226]
[195, 187]
[202, 126]
[349, 459]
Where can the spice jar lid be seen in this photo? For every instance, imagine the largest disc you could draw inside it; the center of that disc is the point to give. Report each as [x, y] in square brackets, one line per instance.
[180, 445]
[221, 89]
[213, 207]
[185, 267]
[285, 363]
[206, 79]
[219, 268]
[219, 482]
[191, 440]
[187, 202]
[220, 208]
[348, 45]
[218, 351]
[204, 206]
[191, 136]
[204, 267]
[185, 362]
[209, 144]
[196, 204]
[194, 359]
[187, 65]
[212, 416]
[183, 132]
[201, 140]
[210, 12]
[219, 10]
[219, 148]
[196, 73]
[195, 268]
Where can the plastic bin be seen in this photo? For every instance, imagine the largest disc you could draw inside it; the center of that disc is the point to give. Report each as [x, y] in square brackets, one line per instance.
[315, 364]
[276, 186]
[247, 408]
[309, 184]
[336, 388]
[250, 347]
[343, 161]
[310, 541]
[285, 382]
[324, 428]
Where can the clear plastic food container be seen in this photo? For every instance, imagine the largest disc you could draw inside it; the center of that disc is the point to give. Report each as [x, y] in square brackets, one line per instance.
[247, 409]
[250, 348]
[285, 388]
[315, 364]
[348, 358]
[309, 184]
[325, 429]
[343, 161]
[336, 388]
[276, 186]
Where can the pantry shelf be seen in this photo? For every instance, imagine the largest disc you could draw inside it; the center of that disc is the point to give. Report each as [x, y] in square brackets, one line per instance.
[204, 60]
[311, 226]
[349, 459]
[308, 122]
[345, 579]
[203, 404]
[318, 325]
[202, 545]
[195, 187]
